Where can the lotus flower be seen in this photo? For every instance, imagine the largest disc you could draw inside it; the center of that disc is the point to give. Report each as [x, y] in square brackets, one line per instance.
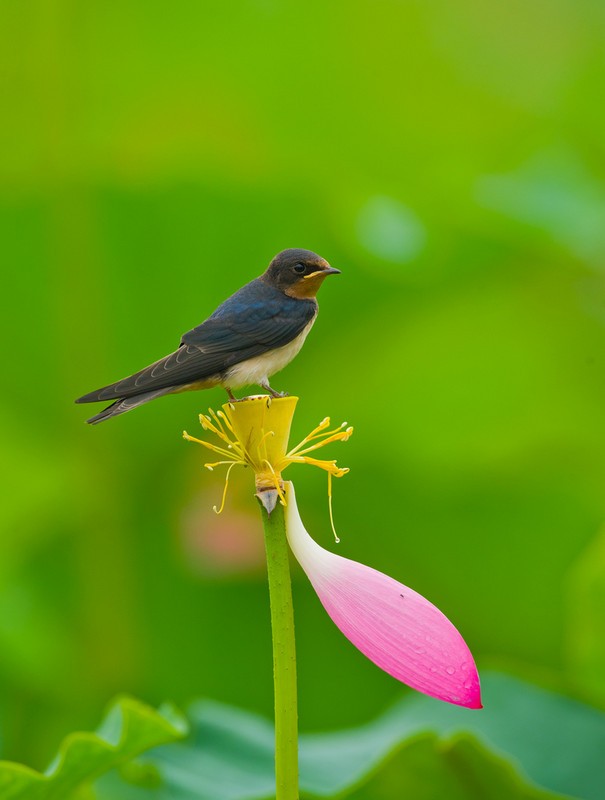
[395, 627]
[254, 432]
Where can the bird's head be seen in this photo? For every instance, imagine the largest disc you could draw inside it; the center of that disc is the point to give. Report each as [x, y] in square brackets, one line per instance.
[298, 273]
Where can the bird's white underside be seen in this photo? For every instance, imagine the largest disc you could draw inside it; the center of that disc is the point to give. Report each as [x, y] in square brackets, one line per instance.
[258, 370]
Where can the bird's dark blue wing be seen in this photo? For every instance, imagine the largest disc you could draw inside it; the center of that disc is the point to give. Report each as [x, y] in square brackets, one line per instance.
[254, 320]
[258, 316]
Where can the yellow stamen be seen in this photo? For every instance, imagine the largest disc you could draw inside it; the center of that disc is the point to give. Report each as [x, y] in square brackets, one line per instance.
[215, 448]
[225, 419]
[278, 484]
[315, 434]
[329, 466]
[255, 433]
[341, 436]
[220, 511]
[262, 442]
[336, 539]
[214, 464]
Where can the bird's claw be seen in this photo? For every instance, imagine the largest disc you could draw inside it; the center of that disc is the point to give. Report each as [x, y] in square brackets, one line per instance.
[272, 392]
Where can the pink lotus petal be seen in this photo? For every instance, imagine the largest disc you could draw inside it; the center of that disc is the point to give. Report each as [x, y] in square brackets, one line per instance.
[394, 626]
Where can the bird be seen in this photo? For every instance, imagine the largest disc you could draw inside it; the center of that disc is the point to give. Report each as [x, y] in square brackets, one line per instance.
[251, 336]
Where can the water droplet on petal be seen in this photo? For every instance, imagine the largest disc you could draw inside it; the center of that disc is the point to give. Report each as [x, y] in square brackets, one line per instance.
[450, 670]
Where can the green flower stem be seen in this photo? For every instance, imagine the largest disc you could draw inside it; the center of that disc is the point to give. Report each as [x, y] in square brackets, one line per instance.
[284, 654]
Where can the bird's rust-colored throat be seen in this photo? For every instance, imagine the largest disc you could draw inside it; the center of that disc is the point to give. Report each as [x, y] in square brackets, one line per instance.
[309, 286]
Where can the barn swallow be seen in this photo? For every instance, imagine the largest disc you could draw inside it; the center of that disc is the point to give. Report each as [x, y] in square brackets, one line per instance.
[251, 336]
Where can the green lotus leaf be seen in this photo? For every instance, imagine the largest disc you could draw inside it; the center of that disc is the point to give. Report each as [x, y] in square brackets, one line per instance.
[129, 729]
[527, 743]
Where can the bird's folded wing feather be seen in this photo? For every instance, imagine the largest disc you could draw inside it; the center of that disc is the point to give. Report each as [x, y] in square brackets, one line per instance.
[231, 335]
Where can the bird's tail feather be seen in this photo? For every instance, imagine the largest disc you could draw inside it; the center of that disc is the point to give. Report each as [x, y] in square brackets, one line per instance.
[123, 405]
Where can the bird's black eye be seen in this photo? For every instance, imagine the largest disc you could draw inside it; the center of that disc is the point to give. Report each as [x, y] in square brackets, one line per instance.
[299, 268]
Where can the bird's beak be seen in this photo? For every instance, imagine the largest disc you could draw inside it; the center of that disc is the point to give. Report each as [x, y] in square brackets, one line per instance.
[323, 272]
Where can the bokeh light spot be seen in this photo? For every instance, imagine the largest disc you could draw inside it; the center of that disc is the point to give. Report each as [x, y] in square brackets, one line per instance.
[390, 230]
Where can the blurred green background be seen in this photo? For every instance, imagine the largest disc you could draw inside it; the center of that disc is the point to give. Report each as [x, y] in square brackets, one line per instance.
[449, 158]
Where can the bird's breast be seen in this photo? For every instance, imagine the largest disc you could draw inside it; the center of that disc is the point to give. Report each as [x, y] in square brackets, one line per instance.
[258, 369]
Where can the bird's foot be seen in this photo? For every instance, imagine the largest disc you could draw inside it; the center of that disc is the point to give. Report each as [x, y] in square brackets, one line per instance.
[231, 396]
[272, 392]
